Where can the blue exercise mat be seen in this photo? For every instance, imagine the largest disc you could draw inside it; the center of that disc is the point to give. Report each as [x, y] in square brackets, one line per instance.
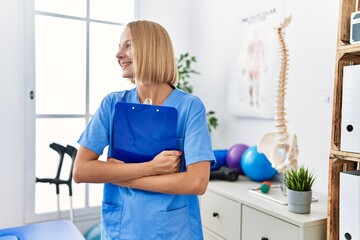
[142, 131]
[55, 230]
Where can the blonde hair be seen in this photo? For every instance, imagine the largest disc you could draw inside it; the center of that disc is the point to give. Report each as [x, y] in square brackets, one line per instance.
[153, 54]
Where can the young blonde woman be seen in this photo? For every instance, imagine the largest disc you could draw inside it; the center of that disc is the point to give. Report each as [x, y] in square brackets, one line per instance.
[157, 199]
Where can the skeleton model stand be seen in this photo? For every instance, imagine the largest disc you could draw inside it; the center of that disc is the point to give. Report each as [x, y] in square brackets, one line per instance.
[280, 147]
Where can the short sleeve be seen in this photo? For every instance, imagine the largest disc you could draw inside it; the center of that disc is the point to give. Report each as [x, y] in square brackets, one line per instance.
[96, 136]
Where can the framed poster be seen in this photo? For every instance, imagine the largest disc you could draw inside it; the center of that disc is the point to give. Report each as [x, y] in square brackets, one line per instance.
[253, 82]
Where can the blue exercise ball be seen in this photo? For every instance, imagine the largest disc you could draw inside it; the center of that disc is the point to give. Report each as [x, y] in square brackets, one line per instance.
[220, 157]
[256, 166]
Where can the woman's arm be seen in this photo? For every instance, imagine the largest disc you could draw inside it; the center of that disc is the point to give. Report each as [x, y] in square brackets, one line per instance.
[87, 167]
[193, 181]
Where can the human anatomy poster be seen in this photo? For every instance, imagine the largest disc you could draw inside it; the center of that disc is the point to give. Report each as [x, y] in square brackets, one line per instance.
[252, 84]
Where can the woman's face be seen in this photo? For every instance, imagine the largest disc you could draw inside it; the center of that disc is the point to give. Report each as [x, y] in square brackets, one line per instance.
[124, 56]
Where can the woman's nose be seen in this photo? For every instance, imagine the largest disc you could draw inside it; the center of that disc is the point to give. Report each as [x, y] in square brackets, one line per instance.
[119, 55]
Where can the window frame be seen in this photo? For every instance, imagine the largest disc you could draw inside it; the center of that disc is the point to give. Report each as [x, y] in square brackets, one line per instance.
[81, 214]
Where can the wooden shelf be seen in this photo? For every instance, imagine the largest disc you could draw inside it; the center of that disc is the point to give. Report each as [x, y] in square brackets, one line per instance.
[346, 8]
[353, 49]
[345, 156]
[340, 161]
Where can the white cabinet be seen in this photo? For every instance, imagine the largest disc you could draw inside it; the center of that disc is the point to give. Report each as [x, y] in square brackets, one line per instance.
[259, 225]
[229, 211]
[208, 235]
[221, 215]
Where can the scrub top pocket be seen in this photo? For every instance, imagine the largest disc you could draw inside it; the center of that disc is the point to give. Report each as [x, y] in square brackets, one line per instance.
[174, 224]
[111, 221]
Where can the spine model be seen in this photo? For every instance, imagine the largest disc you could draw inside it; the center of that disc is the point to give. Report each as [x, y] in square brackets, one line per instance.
[280, 113]
[280, 147]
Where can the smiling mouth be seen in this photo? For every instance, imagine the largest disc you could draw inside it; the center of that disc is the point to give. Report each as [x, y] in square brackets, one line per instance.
[125, 65]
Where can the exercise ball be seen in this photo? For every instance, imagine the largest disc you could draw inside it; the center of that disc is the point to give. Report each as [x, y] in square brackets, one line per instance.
[94, 233]
[234, 155]
[220, 157]
[256, 166]
[264, 188]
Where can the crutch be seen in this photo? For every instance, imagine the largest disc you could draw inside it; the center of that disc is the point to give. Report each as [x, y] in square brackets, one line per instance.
[61, 150]
[71, 151]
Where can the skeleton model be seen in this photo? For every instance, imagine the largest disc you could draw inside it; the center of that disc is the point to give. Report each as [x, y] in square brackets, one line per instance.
[280, 147]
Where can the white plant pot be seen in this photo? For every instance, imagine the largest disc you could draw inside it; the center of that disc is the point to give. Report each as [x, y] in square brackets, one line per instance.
[299, 202]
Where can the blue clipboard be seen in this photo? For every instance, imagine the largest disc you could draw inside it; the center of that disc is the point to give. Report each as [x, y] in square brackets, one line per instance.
[142, 131]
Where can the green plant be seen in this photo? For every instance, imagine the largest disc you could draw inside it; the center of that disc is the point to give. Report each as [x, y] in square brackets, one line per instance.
[184, 65]
[299, 179]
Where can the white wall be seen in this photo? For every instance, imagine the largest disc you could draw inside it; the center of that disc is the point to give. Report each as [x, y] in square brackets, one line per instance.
[206, 29]
[175, 16]
[12, 113]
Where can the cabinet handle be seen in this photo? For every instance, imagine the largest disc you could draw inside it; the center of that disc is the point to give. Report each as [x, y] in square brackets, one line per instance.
[347, 236]
[264, 238]
[215, 214]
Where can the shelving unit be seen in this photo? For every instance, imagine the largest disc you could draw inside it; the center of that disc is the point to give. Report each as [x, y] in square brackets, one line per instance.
[340, 161]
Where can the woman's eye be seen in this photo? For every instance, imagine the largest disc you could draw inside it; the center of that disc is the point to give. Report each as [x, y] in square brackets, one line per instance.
[128, 46]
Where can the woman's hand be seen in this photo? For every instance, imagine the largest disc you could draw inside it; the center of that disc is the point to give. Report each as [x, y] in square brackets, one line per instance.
[166, 162]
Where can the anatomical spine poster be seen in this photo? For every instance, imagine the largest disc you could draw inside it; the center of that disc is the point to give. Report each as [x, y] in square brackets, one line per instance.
[253, 81]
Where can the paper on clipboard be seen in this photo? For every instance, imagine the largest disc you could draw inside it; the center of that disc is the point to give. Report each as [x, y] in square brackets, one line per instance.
[142, 131]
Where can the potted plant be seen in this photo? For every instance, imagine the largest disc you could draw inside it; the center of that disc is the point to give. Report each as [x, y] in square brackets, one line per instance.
[299, 194]
[185, 70]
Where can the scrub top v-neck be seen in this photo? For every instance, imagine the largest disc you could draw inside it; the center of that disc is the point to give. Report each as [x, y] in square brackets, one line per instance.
[168, 100]
[136, 214]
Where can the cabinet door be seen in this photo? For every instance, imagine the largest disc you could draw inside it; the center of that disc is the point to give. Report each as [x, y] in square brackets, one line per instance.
[208, 235]
[258, 225]
[221, 215]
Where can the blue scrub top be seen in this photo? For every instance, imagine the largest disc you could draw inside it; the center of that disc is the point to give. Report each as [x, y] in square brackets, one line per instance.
[136, 214]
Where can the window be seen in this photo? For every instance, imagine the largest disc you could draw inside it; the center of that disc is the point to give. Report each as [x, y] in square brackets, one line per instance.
[74, 44]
